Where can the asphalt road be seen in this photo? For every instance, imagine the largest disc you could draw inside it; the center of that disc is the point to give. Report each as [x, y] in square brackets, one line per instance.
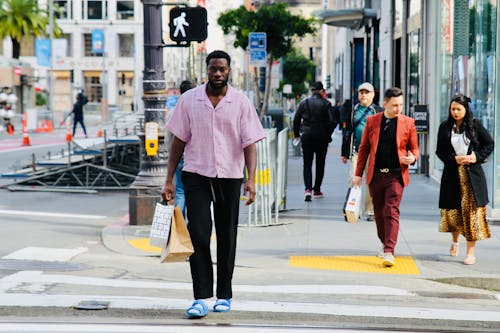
[52, 257]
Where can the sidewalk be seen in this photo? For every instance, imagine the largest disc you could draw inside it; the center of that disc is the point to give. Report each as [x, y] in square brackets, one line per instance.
[313, 243]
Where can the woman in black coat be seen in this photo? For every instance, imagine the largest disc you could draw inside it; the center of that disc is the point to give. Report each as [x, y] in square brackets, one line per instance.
[463, 144]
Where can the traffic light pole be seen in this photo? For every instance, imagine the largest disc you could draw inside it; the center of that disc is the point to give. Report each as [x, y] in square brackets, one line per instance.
[145, 190]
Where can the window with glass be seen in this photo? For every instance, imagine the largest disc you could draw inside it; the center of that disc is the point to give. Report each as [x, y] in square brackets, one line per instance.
[62, 9]
[93, 86]
[87, 40]
[124, 10]
[126, 45]
[95, 9]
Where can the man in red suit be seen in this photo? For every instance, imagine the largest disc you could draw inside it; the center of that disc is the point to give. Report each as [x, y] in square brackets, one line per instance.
[390, 145]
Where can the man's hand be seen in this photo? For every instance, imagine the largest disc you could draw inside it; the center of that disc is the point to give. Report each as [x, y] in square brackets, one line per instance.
[168, 191]
[356, 181]
[344, 159]
[249, 191]
[408, 159]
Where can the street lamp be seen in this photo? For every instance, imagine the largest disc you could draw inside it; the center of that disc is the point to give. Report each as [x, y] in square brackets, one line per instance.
[145, 190]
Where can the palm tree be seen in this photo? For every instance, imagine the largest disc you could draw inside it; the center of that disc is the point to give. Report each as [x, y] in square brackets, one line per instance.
[20, 18]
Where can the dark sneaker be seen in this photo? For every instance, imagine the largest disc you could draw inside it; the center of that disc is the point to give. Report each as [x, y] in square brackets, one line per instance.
[307, 196]
[318, 194]
[370, 218]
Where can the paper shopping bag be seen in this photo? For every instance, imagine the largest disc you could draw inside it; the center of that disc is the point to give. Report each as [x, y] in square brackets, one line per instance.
[179, 246]
[353, 204]
[160, 227]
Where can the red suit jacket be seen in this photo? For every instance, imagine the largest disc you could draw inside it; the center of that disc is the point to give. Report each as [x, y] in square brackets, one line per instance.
[406, 140]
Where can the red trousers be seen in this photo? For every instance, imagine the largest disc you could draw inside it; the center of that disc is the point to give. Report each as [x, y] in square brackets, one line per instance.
[386, 190]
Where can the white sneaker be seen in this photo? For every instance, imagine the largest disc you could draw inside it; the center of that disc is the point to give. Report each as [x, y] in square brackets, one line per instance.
[380, 253]
[388, 259]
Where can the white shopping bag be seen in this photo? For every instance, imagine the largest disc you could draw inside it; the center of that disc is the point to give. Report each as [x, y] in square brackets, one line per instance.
[353, 204]
[160, 227]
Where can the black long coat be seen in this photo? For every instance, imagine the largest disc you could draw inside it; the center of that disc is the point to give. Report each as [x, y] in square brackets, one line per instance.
[449, 194]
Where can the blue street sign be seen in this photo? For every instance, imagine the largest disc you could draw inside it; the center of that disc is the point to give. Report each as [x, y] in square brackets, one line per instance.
[258, 57]
[257, 41]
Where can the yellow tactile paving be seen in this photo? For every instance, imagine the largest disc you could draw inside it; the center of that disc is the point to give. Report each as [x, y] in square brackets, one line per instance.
[365, 264]
[143, 245]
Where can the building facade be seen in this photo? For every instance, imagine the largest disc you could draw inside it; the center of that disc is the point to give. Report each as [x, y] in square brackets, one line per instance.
[432, 50]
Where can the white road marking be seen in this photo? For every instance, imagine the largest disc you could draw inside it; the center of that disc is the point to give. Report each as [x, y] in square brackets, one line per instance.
[40, 277]
[137, 302]
[48, 214]
[128, 328]
[45, 254]
[156, 303]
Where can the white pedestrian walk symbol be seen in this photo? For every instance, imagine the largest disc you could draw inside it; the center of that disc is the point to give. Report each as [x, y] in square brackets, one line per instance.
[179, 23]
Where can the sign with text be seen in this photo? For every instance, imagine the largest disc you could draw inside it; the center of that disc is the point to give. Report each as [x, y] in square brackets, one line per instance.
[257, 41]
[421, 116]
[258, 57]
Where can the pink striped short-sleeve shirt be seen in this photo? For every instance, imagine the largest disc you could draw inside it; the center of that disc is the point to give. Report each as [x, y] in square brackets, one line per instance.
[215, 137]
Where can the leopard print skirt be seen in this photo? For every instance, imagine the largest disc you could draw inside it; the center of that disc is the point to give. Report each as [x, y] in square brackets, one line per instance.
[470, 220]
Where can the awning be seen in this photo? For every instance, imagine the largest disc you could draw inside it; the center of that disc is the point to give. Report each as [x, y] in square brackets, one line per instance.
[352, 18]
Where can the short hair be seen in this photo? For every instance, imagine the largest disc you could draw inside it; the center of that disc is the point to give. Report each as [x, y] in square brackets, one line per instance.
[317, 86]
[218, 54]
[186, 85]
[392, 92]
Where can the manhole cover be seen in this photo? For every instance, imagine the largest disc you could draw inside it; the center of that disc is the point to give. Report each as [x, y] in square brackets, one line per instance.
[92, 305]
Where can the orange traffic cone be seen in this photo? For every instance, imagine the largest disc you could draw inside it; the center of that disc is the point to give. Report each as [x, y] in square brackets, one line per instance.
[26, 138]
[10, 129]
[99, 130]
[69, 136]
[50, 128]
[39, 129]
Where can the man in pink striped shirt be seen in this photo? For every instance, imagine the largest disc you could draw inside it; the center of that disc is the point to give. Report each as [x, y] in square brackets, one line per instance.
[216, 127]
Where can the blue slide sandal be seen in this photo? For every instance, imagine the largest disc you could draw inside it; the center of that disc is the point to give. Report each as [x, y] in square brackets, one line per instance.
[222, 305]
[197, 310]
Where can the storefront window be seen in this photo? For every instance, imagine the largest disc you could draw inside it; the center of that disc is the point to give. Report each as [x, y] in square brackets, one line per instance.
[467, 62]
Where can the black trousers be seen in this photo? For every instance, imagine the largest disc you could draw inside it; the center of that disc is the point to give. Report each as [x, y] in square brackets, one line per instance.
[309, 149]
[75, 122]
[200, 193]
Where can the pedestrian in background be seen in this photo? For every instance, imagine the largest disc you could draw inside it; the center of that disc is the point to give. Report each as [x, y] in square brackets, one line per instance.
[463, 144]
[180, 199]
[314, 124]
[216, 127]
[352, 131]
[389, 144]
[78, 114]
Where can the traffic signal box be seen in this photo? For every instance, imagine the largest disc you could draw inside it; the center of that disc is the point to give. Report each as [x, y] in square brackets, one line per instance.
[188, 24]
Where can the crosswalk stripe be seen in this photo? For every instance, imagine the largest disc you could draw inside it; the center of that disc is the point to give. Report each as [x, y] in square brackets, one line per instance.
[49, 214]
[40, 277]
[156, 303]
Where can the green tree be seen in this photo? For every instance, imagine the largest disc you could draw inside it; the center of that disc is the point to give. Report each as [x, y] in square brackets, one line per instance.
[20, 18]
[281, 28]
[297, 69]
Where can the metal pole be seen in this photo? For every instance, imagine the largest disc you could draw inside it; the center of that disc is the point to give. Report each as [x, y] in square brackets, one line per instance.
[145, 190]
[51, 75]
